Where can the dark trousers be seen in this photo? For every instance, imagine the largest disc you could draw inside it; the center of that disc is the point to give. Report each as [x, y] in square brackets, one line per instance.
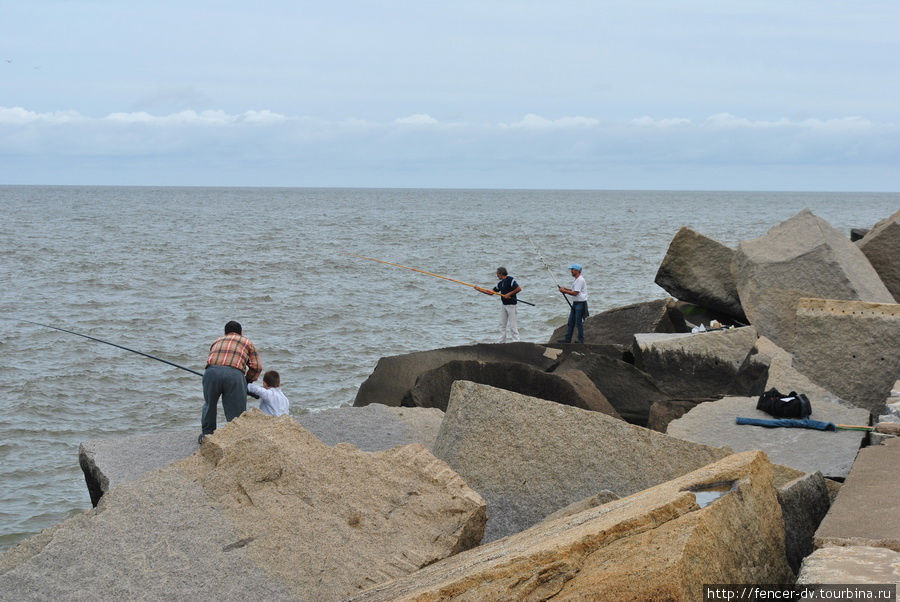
[229, 384]
[576, 318]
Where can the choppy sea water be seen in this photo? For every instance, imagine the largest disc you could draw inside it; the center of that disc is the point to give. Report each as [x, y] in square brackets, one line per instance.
[161, 270]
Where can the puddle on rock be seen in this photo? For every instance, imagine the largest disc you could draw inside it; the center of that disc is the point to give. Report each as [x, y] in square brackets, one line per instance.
[707, 494]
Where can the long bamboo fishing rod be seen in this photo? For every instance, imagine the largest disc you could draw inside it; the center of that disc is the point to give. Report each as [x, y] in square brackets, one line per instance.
[541, 257]
[152, 357]
[475, 286]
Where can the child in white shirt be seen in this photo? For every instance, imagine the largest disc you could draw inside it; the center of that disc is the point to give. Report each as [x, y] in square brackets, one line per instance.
[271, 400]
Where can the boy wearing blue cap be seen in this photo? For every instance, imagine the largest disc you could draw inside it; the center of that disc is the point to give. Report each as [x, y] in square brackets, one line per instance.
[579, 311]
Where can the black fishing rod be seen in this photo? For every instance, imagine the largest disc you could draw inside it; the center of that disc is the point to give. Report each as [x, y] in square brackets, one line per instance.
[541, 257]
[152, 357]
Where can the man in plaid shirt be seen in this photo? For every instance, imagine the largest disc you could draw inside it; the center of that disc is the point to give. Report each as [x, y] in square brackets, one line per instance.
[232, 363]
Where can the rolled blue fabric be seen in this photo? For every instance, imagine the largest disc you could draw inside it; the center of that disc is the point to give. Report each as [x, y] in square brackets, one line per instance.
[789, 422]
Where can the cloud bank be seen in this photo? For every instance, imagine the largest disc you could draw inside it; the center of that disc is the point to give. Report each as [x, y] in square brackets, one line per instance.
[558, 146]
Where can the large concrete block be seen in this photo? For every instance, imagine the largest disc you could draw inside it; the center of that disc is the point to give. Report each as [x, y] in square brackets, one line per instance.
[851, 565]
[801, 257]
[849, 347]
[663, 543]
[697, 269]
[432, 388]
[865, 512]
[529, 457]
[394, 376]
[264, 510]
[808, 450]
[881, 245]
[695, 365]
[630, 391]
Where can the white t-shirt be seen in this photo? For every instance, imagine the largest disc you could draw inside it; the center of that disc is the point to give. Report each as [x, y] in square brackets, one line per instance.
[580, 286]
[271, 401]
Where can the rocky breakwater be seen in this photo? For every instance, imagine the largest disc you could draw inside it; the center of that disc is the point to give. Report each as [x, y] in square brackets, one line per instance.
[532, 476]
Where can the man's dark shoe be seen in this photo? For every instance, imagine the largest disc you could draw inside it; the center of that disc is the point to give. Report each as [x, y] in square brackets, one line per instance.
[200, 439]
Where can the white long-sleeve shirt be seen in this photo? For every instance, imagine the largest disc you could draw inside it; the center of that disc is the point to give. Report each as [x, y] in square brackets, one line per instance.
[271, 401]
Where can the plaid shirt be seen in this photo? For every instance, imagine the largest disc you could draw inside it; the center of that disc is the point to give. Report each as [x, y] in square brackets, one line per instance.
[236, 351]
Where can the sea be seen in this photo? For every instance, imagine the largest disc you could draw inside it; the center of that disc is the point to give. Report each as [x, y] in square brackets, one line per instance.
[160, 270]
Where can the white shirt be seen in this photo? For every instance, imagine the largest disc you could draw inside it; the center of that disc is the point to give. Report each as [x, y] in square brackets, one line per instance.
[271, 401]
[580, 286]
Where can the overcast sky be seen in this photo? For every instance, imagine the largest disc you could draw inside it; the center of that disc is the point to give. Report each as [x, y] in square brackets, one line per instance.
[751, 95]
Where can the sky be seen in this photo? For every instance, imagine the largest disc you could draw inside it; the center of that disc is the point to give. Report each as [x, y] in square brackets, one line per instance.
[663, 95]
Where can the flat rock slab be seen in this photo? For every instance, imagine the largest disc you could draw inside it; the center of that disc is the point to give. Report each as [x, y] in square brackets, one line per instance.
[866, 510]
[264, 510]
[110, 462]
[529, 457]
[374, 427]
[850, 564]
[808, 450]
[659, 544]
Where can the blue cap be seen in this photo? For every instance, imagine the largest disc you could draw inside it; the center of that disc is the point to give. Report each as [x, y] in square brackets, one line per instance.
[575, 266]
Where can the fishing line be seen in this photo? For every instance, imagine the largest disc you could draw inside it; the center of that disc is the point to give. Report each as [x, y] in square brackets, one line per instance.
[429, 274]
[541, 257]
[152, 357]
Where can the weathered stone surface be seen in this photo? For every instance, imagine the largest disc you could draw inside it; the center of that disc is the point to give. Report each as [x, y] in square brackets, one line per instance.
[809, 450]
[804, 503]
[110, 462]
[374, 427]
[117, 460]
[801, 257]
[432, 389]
[264, 510]
[851, 564]
[617, 326]
[658, 544]
[529, 457]
[865, 511]
[394, 376]
[599, 499]
[697, 269]
[881, 245]
[629, 390]
[698, 365]
[849, 347]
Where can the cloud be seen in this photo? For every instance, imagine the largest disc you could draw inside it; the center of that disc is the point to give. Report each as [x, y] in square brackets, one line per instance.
[418, 119]
[649, 122]
[20, 116]
[536, 122]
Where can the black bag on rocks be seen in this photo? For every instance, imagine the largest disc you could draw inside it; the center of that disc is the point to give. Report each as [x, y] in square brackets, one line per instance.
[792, 405]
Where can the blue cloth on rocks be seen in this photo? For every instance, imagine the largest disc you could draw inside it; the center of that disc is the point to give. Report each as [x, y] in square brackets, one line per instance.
[789, 422]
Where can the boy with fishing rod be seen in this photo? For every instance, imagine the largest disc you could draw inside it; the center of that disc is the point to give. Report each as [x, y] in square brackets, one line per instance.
[507, 288]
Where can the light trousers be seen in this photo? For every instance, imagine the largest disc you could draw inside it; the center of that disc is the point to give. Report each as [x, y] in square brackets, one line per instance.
[508, 324]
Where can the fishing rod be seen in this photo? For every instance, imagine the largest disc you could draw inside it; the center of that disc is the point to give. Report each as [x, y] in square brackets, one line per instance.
[541, 257]
[475, 286]
[152, 357]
